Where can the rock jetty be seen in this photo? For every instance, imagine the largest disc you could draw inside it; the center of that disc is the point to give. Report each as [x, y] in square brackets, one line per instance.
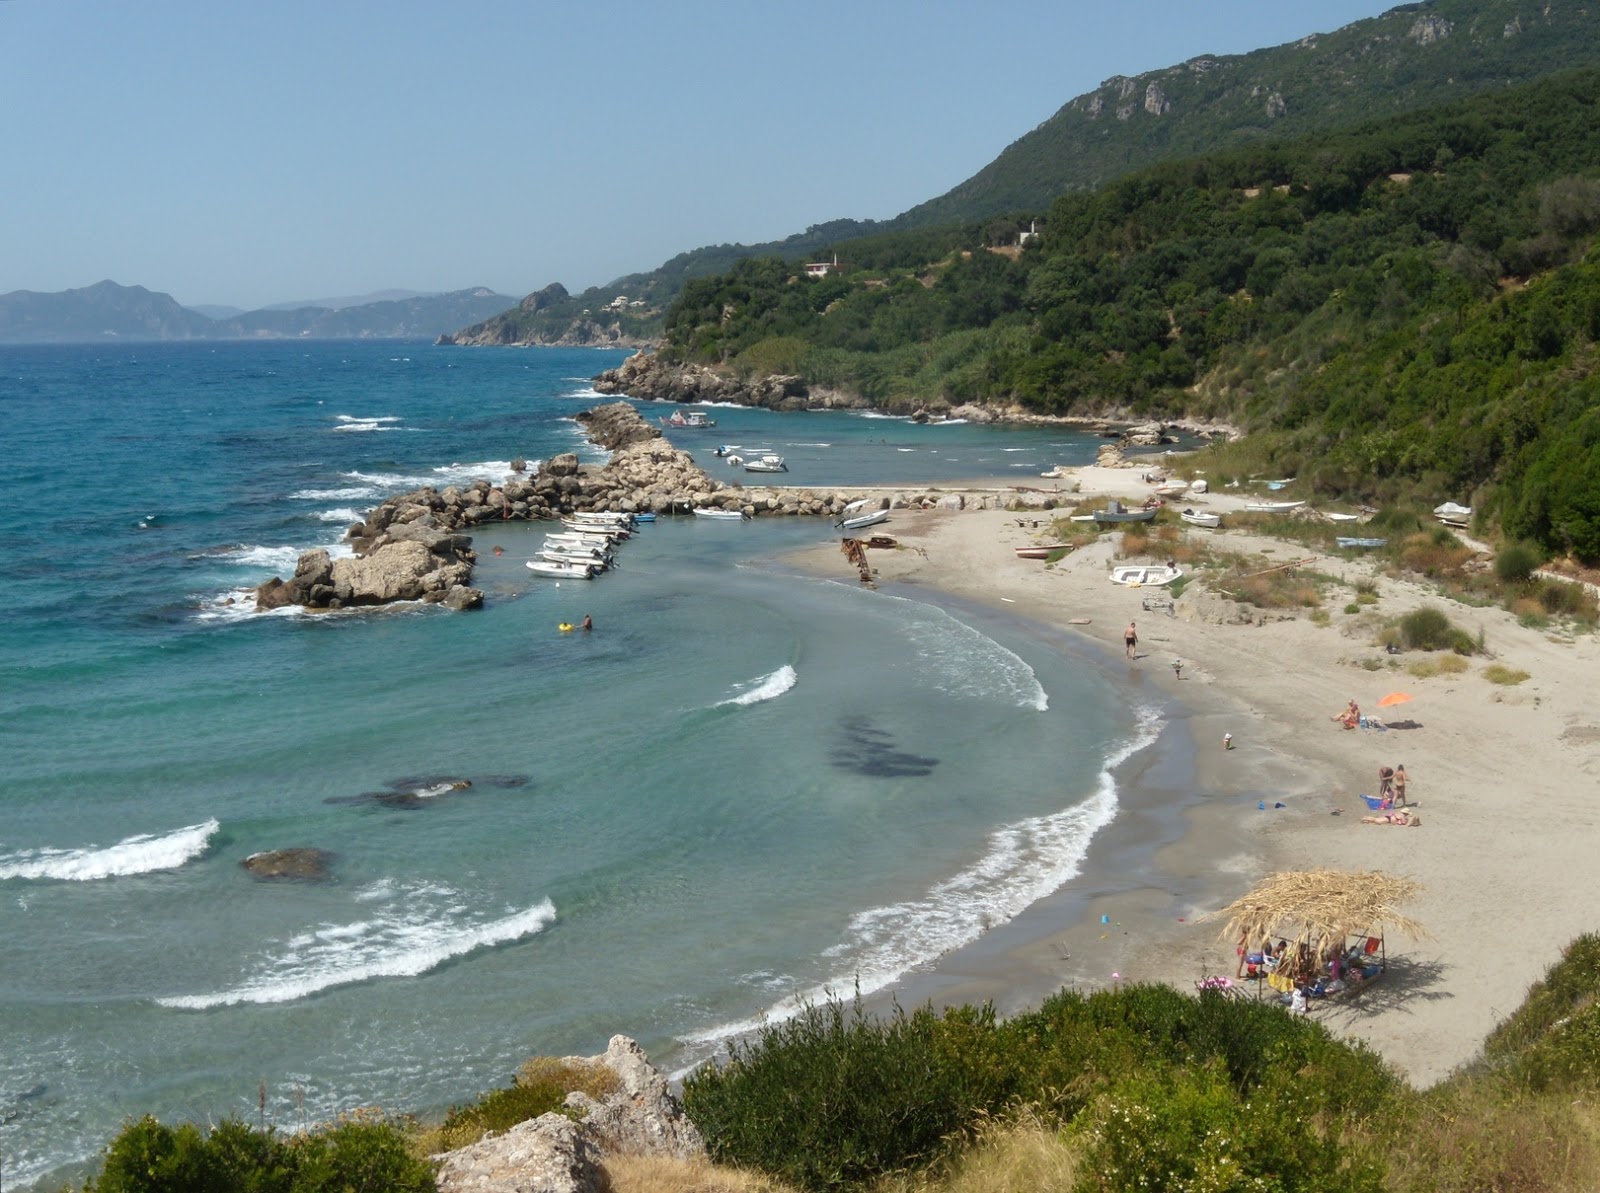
[417, 546]
[555, 1153]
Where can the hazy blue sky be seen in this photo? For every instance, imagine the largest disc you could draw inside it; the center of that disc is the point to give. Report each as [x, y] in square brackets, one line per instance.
[250, 153]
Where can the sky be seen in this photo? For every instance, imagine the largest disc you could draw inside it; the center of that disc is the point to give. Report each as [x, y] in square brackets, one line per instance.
[246, 154]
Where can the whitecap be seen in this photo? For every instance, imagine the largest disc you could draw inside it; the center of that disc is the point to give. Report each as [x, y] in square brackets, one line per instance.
[767, 687]
[140, 854]
[349, 494]
[343, 516]
[419, 929]
[1023, 863]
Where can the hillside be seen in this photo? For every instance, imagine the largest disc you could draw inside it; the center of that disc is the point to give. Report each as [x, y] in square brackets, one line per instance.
[108, 311]
[1416, 298]
[1412, 57]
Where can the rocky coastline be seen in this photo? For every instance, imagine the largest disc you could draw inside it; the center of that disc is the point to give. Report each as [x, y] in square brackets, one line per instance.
[418, 546]
[646, 375]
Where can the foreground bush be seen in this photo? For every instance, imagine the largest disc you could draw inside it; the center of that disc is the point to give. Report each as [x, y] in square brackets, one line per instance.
[834, 1099]
[357, 1156]
[541, 1087]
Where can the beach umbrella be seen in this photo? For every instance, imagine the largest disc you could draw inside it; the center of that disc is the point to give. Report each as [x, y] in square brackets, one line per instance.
[1394, 698]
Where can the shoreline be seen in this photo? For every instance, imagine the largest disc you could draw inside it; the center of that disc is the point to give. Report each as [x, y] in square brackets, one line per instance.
[1189, 837]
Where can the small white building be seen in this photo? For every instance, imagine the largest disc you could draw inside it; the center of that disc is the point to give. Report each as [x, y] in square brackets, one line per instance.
[821, 269]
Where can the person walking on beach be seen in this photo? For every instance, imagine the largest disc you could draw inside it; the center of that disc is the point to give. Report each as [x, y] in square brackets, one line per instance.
[1130, 641]
[1400, 785]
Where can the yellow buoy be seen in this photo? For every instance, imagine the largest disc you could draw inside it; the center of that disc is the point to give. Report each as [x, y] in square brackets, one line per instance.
[565, 626]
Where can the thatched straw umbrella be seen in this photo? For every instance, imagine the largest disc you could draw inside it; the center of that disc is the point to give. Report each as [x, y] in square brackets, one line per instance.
[1320, 909]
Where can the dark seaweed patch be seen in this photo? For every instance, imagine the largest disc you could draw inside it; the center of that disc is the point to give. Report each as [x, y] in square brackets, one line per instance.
[868, 750]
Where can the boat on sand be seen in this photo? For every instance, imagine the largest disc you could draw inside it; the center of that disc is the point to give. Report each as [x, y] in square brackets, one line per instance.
[1137, 575]
[1201, 518]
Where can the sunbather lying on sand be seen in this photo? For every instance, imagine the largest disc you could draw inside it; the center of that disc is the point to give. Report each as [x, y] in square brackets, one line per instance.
[1398, 816]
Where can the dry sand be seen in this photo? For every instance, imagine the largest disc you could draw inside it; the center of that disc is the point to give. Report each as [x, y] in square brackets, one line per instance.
[1504, 780]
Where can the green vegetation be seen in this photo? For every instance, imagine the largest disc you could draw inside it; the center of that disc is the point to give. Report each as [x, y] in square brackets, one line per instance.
[355, 1156]
[541, 1087]
[1450, 664]
[1499, 673]
[1404, 309]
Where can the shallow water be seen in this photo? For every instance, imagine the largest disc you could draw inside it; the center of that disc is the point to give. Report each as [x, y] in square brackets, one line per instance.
[745, 786]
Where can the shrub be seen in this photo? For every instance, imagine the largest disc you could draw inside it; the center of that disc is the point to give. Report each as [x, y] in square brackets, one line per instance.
[830, 1099]
[355, 1155]
[1352, 608]
[1515, 563]
[1553, 1038]
[1428, 628]
[1501, 674]
[1450, 664]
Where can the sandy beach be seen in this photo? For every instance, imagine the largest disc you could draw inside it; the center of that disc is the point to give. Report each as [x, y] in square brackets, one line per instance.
[1502, 776]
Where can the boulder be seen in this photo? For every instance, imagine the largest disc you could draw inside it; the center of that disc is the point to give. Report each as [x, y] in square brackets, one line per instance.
[303, 864]
[549, 1154]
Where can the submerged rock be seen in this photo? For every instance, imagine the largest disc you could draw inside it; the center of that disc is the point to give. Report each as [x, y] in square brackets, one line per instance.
[301, 864]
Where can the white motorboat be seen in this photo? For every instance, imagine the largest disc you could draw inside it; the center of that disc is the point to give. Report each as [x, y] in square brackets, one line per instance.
[1136, 575]
[1172, 489]
[555, 555]
[1332, 517]
[579, 550]
[769, 462]
[691, 420]
[1272, 507]
[1452, 514]
[1201, 518]
[719, 515]
[862, 521]
[611, 532]
[580, 539]
[564, 571]
[602, 517]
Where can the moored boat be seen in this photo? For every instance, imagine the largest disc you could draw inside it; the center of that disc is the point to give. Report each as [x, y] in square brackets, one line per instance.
[564, 571]
[1201, 518]
[692, 420]
[719, 515]
[769, 462]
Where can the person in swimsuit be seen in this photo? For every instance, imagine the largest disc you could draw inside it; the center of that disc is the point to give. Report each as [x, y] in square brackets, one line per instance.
[1130, 641]
[1400, 784]
[1400, 817]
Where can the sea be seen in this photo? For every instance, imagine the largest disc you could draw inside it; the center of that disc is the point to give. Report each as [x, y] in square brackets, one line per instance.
[749, 787]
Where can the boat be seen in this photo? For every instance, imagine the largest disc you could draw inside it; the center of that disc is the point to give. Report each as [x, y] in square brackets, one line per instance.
[1042, 551]
[1332, 517]
[564, 571]
[1137, 574]
[1272, 507]
[766, 463]
[645, 517]
[556, 555]
[577, 538]
[856, 506]
[692, 420]
[602, 518]
[1452, 514]
[719, 515]
[597, 528]
[862, 521]
[1114, 512]
[1174, 489]
[1201, 518]
[1360, 542]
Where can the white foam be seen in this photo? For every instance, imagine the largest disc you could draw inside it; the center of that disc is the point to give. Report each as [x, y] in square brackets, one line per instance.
[414, 928]
[878, 414]
[350, 494]
[957, 659]
[767, 687]
[140, 854]
[1024, 862]
[586, 394]
[344, 516]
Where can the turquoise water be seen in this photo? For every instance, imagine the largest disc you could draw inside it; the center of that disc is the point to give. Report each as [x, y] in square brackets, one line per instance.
[746, 786]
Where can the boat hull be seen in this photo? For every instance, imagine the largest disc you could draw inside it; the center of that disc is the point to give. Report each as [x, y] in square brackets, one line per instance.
[862, 521]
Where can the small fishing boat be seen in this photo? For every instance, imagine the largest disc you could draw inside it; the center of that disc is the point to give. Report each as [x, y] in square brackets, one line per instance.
[597, 528]
[719, 515]
[1452, 514]
[862, 521]
[1172, 489]
[1115, 512]
[1137, 575]
[1272, 507]
[645, 517]
[1332, 517]
[1042, 551]
[556, 555]
[563, 571]
[770, 462]
[1361, 543]
[1201, 518]
[692, 420]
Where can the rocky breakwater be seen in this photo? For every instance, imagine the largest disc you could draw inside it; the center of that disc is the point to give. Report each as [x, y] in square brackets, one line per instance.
[410, 559]
[646, 375]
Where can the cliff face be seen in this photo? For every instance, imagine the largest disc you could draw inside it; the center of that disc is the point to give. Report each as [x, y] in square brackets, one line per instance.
[522, 326]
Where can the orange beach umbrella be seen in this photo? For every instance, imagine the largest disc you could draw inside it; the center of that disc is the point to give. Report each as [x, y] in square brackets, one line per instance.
[1394, 698]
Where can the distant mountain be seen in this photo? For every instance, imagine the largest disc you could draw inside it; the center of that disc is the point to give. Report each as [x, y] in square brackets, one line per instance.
[107, 311]
[359, 300]
[211, 311]
[1412, 57]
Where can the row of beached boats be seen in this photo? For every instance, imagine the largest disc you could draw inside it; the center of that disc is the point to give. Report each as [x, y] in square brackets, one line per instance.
[586, 546]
